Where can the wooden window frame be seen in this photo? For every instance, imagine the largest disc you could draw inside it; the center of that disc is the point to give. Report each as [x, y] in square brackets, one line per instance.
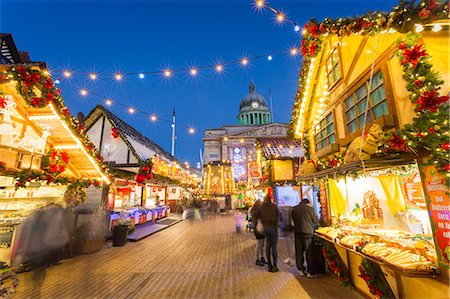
[387, 121]
[329, 72]
[334, 132]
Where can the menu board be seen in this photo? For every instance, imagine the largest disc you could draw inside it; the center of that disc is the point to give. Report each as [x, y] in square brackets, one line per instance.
[437, 195]
[413, 191]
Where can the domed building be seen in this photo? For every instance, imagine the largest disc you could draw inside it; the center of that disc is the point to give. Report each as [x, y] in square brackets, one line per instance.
[233, 147]
[253, 109]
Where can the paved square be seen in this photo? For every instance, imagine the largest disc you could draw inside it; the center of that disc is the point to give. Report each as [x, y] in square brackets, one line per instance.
[188, 260]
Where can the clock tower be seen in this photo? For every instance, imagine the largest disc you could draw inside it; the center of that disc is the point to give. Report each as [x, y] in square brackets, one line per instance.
[253, 109]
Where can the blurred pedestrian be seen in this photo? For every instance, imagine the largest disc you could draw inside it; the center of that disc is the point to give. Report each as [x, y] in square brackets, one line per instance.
[287, 232]
[269, 216]
[304, 219]
[238, 220]
[258, 230]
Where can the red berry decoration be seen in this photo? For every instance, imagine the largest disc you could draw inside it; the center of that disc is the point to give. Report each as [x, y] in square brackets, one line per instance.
[402, 46]
[145, 169]
[431, 130]
[418, 83]
[446, 146]
[447, 167]
[149, 176]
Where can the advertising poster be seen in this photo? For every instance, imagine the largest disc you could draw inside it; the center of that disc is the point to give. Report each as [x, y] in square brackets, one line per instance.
[437, 195]
[254, 171]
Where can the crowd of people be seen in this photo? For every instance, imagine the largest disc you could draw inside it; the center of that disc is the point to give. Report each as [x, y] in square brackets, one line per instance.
[296, 224]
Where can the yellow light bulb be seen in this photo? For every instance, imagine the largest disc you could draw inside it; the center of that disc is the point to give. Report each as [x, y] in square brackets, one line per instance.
[167, 73]
[280, 17]
[118, 76]
[294, 51]
[244, 61]
[260, 3]
[153, 118]
[92, 76]
[108, 102]
[219, 67]
[193, 71]
[83, 92]
[131, 110]
[67, 74]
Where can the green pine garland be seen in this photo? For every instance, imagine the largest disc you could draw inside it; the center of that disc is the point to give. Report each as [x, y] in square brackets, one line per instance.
[375, 279]
[335, 263]
[429, 129]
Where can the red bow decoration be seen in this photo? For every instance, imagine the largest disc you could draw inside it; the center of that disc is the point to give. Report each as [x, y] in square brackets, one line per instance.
[332, 162]
[397, 143]
[413, 55]
[429, 101]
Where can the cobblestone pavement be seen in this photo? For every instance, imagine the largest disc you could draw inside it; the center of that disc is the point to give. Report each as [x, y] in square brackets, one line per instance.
[188, 260]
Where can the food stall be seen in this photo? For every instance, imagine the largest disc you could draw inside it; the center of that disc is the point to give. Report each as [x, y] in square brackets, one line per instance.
[372, 114]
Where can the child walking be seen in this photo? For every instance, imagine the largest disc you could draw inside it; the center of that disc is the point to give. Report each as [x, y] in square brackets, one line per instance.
[238, 219]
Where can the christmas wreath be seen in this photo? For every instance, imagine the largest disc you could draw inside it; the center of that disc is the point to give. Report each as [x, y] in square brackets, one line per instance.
[375, 279]
[6, 290]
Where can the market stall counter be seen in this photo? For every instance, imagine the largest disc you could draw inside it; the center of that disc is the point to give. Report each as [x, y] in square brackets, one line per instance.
[140, 215]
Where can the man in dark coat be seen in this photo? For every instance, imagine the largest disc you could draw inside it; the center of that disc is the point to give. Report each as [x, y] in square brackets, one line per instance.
[269, 216]
[304, 219]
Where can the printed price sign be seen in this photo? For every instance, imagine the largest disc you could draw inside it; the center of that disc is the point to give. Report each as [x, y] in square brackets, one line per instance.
[437, 195]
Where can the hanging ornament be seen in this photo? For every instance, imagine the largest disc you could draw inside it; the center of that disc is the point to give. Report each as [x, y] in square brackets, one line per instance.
[115, 133]
[446, 146]
[424, 13]
[140, 178]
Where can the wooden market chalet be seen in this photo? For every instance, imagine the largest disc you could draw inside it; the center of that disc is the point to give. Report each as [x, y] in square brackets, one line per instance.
[127, 152]
[34, 121]
[371, 111]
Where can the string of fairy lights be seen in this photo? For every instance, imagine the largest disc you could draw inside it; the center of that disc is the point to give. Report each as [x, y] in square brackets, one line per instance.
[109, 102]
[280, 15]
[168, 72]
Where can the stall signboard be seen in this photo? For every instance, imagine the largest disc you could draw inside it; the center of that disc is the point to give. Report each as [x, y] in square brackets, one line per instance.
[254, 171]
[282, 170]
[413, 191]
[437, 195]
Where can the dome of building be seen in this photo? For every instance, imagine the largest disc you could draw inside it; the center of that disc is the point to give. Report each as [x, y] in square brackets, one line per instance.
[253, 109]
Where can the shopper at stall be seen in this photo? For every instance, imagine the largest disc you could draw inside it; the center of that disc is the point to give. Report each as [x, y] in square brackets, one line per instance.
[304, 219]
[269, 216]
[287, 232]
[259, 234]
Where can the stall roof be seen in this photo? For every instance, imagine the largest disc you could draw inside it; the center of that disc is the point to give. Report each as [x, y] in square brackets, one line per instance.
[283, 148]
[83, 163]
[141, 145]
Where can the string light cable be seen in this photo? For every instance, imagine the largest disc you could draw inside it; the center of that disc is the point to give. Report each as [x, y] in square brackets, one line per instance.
[280, 16]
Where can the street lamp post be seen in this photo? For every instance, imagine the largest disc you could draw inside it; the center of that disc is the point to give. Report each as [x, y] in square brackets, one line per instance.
[173, 133]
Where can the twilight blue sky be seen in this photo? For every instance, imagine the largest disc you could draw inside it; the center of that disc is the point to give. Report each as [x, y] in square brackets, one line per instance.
[132, 36]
